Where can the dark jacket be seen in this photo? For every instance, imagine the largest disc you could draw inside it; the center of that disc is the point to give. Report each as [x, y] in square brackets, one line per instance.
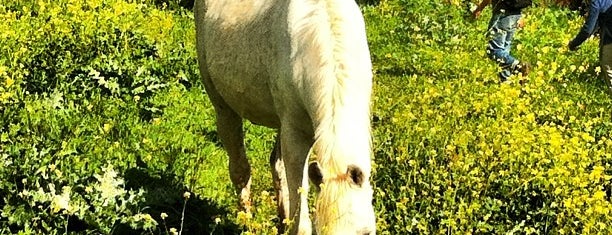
[600, 13]
[509, 7]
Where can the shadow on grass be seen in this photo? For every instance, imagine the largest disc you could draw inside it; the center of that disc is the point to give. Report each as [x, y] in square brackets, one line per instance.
[165, 195]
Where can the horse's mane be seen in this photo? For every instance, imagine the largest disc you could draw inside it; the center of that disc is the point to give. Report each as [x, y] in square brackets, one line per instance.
[339, 70]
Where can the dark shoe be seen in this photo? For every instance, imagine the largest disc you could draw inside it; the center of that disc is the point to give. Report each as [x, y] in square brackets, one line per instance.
[503, 79]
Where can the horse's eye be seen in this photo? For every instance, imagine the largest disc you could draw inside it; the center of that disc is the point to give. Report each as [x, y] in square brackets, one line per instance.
[356, 175]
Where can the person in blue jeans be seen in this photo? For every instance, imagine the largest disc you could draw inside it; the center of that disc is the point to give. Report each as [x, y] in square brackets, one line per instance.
[599, 14]
[505, 20]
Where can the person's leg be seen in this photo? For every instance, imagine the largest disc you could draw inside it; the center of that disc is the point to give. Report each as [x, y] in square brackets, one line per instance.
[605, 60]
[493, 21]
[516, 67]
[500, 42]
[512, 20]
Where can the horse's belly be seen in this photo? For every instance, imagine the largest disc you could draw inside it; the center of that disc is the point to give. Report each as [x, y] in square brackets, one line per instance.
[250, 98]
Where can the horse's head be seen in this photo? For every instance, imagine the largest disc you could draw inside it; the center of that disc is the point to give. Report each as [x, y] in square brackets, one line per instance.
[344, 203]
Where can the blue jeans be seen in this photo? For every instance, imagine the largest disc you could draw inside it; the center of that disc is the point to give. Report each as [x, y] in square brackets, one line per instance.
[501, 31]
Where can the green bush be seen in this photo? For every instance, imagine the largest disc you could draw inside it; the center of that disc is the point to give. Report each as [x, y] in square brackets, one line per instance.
[78, 78]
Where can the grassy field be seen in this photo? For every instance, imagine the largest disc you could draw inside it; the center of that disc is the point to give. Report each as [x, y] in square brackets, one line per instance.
[105, 127]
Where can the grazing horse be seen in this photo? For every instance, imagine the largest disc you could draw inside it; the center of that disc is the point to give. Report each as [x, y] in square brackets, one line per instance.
[302, 67]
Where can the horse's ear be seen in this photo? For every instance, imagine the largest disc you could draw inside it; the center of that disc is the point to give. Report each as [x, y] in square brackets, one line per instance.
[356, 174]
[314, 173]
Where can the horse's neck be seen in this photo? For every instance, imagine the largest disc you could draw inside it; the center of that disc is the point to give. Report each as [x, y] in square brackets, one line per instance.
[331, 44]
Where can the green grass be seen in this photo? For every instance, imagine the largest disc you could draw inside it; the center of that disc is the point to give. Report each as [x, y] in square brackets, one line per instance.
[90, 85]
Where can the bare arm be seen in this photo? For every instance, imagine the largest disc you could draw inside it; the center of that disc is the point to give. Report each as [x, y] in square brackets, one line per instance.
[480, 7]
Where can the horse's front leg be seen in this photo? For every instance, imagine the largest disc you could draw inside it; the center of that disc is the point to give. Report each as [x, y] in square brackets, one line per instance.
[280, 184]
[295, 144]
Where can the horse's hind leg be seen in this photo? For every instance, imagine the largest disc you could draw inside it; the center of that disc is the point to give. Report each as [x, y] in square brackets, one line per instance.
[280, 184]
[230, 130]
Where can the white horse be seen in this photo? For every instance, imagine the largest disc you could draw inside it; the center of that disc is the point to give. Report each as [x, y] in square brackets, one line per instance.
[302, 67]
